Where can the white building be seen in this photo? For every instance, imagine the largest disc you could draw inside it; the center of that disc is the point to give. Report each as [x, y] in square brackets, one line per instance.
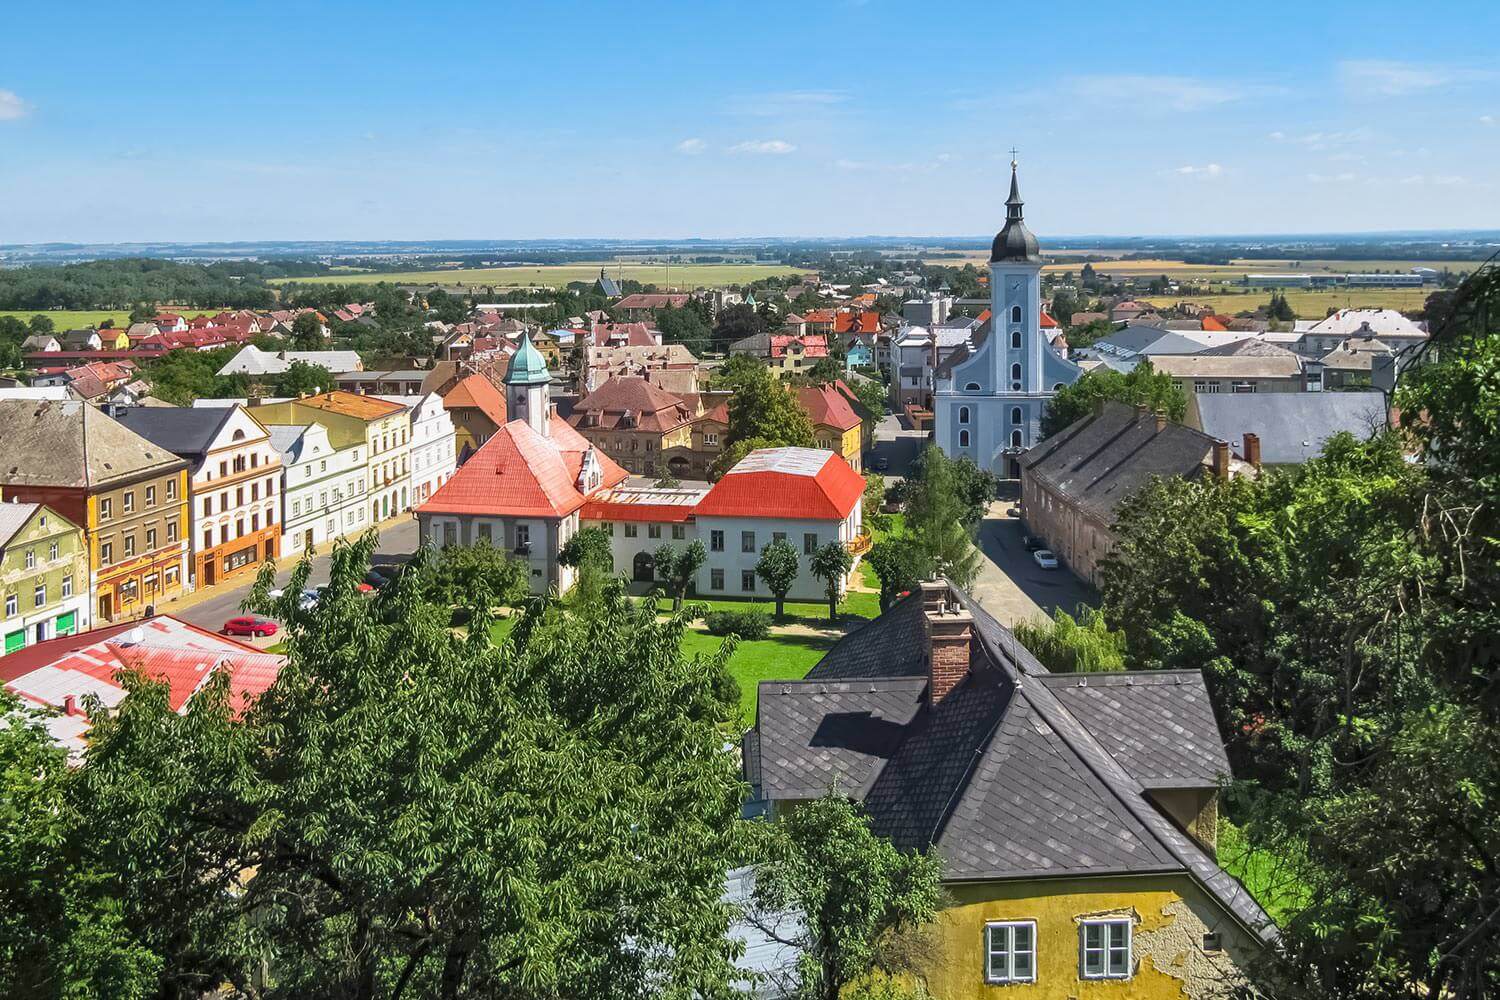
[251, 360]
[323, 492]
[989, 398]
[433, 454]
[1389, 326]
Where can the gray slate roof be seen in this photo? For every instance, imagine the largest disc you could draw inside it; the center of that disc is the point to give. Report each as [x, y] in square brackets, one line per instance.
[1285, 420]
[181, 430]
[73, 445]
[1017, 773]
[13, 517]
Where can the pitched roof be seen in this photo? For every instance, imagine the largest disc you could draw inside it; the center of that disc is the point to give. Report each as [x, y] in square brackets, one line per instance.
[180, 430]
[1241, 366]
[1388, 322]
[479, 393]
[827, 407]
[1016, 773]
[519, 473]
[630, 402]
[653, 300]
[352, 404]
[13, 517]
[785, 482]
[1292, 426]
[73, 445]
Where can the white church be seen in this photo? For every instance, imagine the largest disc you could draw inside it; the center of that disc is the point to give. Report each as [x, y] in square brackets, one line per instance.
[989, 396]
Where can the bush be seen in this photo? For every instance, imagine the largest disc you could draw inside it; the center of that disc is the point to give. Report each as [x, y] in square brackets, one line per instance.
[745, 624]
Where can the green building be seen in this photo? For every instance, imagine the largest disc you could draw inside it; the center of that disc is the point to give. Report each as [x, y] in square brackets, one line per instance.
[44, 575]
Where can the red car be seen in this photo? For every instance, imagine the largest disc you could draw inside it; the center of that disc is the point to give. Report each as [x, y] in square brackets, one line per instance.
[250, 625]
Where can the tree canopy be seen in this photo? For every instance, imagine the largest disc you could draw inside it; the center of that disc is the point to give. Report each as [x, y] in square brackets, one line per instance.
[1141, 386]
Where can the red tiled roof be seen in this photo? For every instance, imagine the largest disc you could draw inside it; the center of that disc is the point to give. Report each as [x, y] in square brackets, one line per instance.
[869, 322]
[1215, 324]
[604, 510]
[479, 393]
[1047, 321]
[653, 408]
[653, 300]
[787, 483]
[814, 345]
[519, 473]
[982, 317]
[827, 407]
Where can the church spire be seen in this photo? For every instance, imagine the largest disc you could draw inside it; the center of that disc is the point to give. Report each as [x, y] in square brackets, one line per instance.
[1014, 243]
[1013, 203]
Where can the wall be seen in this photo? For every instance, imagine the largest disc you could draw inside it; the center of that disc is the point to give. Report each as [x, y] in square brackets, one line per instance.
[1080, 541]
[1170, 915]
[733, 561]
[71, 565]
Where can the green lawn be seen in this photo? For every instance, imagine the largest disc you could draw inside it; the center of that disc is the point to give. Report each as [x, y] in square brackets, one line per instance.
[784, 657]
[1268, 878]
[558, 275]
[855, 605]
[78, 319]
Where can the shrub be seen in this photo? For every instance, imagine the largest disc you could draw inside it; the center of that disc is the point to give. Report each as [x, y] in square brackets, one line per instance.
[745, 624]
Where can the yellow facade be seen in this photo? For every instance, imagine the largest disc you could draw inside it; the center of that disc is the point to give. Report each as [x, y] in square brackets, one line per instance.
[1171, 953]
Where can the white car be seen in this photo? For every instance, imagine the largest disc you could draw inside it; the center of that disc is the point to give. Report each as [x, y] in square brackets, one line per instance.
[1045, 559]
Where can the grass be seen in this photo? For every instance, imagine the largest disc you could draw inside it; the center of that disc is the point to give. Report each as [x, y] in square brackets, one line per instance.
[558, 275]
[1267, 876]
[77, 319]
[781, 657]
[855, 605]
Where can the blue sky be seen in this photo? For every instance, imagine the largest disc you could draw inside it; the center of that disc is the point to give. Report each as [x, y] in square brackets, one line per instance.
[441, 120]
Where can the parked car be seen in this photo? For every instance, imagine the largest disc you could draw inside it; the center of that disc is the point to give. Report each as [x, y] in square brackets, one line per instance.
[307, 600]
[1013, 511]
[1033, 543]
[880, 463]
[251, 625]
[1045, 559]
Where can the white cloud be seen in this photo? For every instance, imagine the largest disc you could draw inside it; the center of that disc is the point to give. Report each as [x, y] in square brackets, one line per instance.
[1486, 119]
[1447, 180]
[1207, 170]
[770, 147]
[11, 106]
[692, 147]
[1178, 93]
[1325, 140]
[1343, 178]
[1389, 78]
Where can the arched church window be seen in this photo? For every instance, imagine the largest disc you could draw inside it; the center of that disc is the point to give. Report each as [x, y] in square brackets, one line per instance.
[963, 414]
[1057, 387]
[1015, 340]
[1015, 414]
[1015, 439]
[1015, 314]
[972, 387]
[1015, 373]
[963, 439]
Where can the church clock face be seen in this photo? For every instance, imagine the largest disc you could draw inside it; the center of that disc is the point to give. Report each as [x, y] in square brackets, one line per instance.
[1015, 291]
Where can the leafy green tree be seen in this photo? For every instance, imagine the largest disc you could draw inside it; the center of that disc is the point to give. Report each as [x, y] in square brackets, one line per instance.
[736, 323]
[831, 563]
[763, 413]
[736, 369]
[777, 568]
[945, 502]
[684, 326]
[826, 370]
[40, 324]
[143, 312]
[307, 332]
[462, 573]
[1068, 645]
[678, 569]
[1082, 335]
[303, 377]
[408, 812]
[859, 897]
[1141, 386]
[900, 564]
[181, 376]
[1064, 305]
[590, 551]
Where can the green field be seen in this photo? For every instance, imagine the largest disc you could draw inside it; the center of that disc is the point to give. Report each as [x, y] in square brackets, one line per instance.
[558, 275]
[77, 319]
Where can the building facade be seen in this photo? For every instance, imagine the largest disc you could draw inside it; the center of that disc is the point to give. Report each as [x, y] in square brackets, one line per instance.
[44, 574]
[433, 453]
[989, 398]
[323, 488]
[644, 429]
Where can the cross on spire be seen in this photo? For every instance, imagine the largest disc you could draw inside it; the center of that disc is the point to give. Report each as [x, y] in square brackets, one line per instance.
[1013, 152]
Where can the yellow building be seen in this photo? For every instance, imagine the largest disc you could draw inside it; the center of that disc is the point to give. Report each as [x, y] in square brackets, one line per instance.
[1074, 822]
[837, 426]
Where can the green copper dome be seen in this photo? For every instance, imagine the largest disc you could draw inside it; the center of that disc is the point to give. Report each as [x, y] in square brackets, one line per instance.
[527, 366]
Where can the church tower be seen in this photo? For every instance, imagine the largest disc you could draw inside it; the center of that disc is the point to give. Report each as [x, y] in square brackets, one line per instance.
[527, 383]
[1016, 301]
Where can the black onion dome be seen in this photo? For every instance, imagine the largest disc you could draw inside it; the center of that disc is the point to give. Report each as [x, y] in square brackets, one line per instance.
[1015, 242]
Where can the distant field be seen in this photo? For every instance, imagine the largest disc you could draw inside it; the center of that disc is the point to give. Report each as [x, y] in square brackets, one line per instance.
[77, 319]
[1233, 271]
[558, 275]
[1306, 303]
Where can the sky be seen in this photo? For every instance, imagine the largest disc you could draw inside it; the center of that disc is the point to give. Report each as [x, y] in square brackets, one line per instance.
[447, 120]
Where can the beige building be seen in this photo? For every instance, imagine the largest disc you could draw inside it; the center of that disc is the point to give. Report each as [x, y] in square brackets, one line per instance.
[1244, 366]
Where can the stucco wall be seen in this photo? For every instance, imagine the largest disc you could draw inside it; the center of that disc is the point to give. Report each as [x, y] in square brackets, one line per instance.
[1170, 916]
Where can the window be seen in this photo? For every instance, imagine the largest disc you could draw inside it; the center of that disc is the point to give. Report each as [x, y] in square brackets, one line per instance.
[129, 546]
[39, 596]
[239, 496]
[150, 539]
[809, 542]
[171, 576]
[711, 440]
[171, 531]
[486, 532]
[106, 508]
[1015, 372]
[41, 522]
[1202, 386]
[747, 580]
[653, 531]
[716, 579]
[679, 532]
[323, 465]
[296, 508]
[171, 489]
[1015, 439]
[963, 439]
[630, 530]
[11, 609]
[963, 414]
[255, 520]
[716, 541]
[1104, 949]
[971, 387]
[254, 492]
[1212, 943]
[106, 552]
[223, 469]
[67, 587]
[1015, 314]
[31, 558]
[1015, 415]
[609, 528]
[747, 541]
[523, 536]
[1010, 952]
[150, 496]
[1015, 340]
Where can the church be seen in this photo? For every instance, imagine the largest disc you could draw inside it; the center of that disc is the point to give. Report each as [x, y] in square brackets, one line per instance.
[989, 395]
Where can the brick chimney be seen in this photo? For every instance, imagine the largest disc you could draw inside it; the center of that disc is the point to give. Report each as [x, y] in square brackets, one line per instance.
[1252, 449]
[1161, 421]
[950, 635]
[1221, 459]
[1142, 411]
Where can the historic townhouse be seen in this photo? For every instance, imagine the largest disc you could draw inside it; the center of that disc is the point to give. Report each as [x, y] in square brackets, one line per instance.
[128, 494]
[645, 429]
[234, 482]
[44, 574]
[323, 487]
[433, 454]
[477, 410]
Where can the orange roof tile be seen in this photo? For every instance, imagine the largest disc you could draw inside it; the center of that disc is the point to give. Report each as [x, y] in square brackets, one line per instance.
[352, 404]
[785, 482]
[478, 393]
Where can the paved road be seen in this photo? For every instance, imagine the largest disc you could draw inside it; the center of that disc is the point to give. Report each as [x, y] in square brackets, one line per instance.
[896, 445]
[1010, 585]
[398, 539]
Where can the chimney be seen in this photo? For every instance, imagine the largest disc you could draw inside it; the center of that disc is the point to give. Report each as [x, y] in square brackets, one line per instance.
[1142, 411]
[1221, 459]
[950, 631]
[1252, 449]
[1161, 421]
[70, 705]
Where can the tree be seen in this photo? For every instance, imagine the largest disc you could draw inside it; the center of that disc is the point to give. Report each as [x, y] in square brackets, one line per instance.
[40, 324]
[831, 563]
[1066, 645]
[763, 413]
[591, 552]
[143, 312]
[678, 569]
[426, 814]
[826, 370]
[684, 326]
[465, 574]
[859, 897]
[735, 369]
[303, 377]
[737, 322]
[777, 568]
[181, 376]
[945, 501]
[1064, 305]
[900, 564]
[1141, 386]
[1085, 334]
[307, 332]
[1280, 309]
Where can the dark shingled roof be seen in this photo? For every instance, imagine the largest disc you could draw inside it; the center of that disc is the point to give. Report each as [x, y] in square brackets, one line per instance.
[1017, 773]
[1283, 424]
[182, 431]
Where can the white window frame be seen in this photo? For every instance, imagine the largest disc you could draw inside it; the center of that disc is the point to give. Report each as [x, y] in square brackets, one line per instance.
[1105, 950]
[1008, 953]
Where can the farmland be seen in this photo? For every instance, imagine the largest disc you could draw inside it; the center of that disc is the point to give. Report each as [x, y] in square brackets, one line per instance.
[559, 275]
[77, 319]
[1306, 303]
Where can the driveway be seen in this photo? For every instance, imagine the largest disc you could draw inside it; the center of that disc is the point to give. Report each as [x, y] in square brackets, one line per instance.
[1011, 586]
[897, 445]
[397, 541]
